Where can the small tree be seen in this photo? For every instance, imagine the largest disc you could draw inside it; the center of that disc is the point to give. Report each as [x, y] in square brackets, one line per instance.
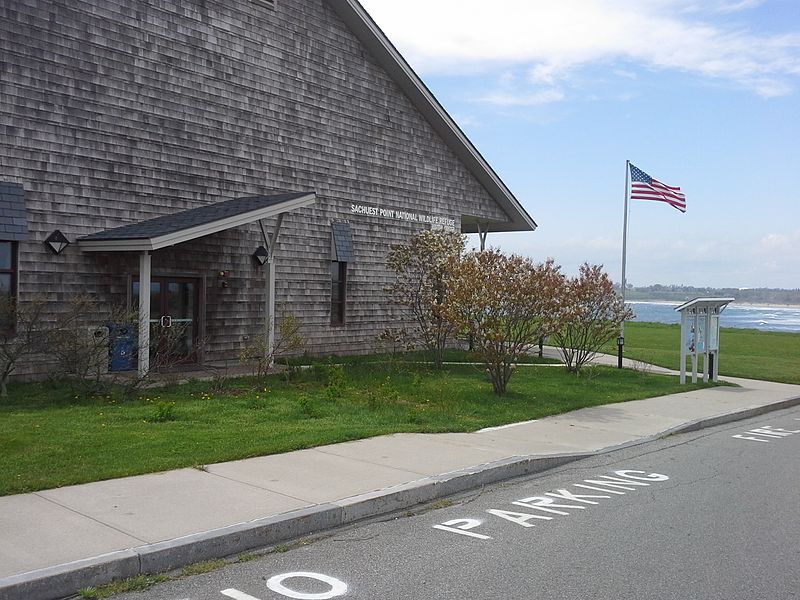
[420, 286]
[506, 303]
[590, 316]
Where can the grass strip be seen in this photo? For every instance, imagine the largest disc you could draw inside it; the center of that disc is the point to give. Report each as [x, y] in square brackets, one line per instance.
[50, 439]
[748, 353]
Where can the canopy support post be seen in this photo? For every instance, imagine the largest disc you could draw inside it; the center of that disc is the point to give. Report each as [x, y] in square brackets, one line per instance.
[144, 313]
[269, 274]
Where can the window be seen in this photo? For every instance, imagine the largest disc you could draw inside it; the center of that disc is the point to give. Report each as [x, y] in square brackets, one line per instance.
[267, 3]
[338, 292]
[8, 284]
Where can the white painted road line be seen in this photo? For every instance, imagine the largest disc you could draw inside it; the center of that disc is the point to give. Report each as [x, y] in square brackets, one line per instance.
[766, 431]
[338, 587]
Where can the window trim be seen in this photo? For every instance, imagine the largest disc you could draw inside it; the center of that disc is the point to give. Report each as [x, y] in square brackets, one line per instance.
[13, 271]
[339, 308]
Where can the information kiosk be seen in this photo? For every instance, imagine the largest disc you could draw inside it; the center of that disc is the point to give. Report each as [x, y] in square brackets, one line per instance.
[700, 335]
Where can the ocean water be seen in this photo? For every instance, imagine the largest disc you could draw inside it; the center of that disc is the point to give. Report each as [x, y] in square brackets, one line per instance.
[768, 318]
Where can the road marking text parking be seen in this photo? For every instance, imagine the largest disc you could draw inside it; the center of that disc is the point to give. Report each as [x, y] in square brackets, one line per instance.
[561, 502]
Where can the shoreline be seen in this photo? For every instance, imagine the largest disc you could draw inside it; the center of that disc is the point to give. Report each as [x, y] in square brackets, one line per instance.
[734, 303]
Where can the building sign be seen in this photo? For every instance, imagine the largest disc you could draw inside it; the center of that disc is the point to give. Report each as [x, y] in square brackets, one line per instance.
[402, 215]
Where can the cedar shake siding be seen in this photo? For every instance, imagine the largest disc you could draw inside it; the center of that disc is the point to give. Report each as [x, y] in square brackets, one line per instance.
[115, 112]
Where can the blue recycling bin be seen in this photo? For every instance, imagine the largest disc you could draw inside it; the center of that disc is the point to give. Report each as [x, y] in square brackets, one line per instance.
[122, 347]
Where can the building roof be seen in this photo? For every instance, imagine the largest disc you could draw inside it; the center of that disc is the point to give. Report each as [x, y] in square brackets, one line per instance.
[707, 303]
[193, 223]
[373, 38]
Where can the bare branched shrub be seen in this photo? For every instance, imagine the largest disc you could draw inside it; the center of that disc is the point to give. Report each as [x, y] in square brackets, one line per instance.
[288, 340]
[79, 341]
[395, 343]
[72, 339]
[420, 285]
[168, 351]
[26, 333]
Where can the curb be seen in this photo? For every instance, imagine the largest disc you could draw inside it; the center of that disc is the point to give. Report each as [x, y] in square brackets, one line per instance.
[61, 581]
[731, 417]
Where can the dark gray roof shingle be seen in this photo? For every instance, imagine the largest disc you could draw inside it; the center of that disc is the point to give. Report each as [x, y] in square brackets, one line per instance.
[188, 219]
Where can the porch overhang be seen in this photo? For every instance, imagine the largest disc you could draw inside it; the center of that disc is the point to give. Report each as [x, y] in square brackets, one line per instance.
[194, 223]
[187, 225]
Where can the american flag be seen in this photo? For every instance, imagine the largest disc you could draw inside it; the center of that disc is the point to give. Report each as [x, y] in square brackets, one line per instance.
[644, 187]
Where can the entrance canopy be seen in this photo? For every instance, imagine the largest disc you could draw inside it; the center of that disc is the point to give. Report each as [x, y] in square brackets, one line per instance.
[193, 223]
[161, 232]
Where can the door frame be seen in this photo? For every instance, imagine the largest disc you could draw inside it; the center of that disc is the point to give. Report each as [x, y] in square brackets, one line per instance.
[200, 304]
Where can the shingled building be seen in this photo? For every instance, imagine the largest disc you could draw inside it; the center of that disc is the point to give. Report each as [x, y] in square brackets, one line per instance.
[233, 156]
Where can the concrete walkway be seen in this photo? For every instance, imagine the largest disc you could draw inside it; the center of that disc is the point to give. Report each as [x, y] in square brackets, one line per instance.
[54, 542]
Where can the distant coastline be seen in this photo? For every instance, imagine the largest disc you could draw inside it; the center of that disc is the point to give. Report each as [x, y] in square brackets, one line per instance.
[736, 302]
[679, 294]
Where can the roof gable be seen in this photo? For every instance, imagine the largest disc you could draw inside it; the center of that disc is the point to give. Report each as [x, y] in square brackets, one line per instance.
[372, 37]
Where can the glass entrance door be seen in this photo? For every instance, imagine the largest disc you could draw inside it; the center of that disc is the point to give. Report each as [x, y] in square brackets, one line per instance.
[173, 319]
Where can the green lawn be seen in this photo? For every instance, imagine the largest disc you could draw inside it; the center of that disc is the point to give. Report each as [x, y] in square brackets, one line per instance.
[49, 438]
[773, 356]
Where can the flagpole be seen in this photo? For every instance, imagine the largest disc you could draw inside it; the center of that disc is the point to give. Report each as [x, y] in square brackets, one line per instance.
[621, 340]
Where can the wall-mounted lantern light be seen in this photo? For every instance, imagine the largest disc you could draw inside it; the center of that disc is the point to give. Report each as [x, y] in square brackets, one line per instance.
[261, 255]
[56, 241]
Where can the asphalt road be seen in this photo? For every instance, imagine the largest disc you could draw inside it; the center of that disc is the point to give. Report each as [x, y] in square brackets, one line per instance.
[709, 515]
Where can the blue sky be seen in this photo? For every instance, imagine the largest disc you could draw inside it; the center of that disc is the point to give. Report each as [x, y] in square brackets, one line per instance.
[701, 94]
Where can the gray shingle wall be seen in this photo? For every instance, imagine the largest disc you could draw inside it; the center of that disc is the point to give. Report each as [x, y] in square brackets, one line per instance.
[117, 111]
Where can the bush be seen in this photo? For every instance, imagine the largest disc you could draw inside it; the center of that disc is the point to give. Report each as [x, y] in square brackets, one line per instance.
[288, 340]
[590, 315]
[420, 286]
[505, 303]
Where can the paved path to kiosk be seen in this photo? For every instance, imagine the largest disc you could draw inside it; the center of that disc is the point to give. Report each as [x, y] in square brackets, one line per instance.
[56, 541]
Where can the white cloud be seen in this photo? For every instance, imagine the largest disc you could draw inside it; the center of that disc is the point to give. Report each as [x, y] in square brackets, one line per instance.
[516, 98]
[781, 242]
[553, 39]
[725, 6]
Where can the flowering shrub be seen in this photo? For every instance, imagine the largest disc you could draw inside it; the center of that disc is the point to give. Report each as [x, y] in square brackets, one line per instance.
[590, 315]
[420, 285]
[505, 303]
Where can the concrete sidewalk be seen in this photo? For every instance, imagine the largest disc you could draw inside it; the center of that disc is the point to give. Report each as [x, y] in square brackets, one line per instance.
[54, 542]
